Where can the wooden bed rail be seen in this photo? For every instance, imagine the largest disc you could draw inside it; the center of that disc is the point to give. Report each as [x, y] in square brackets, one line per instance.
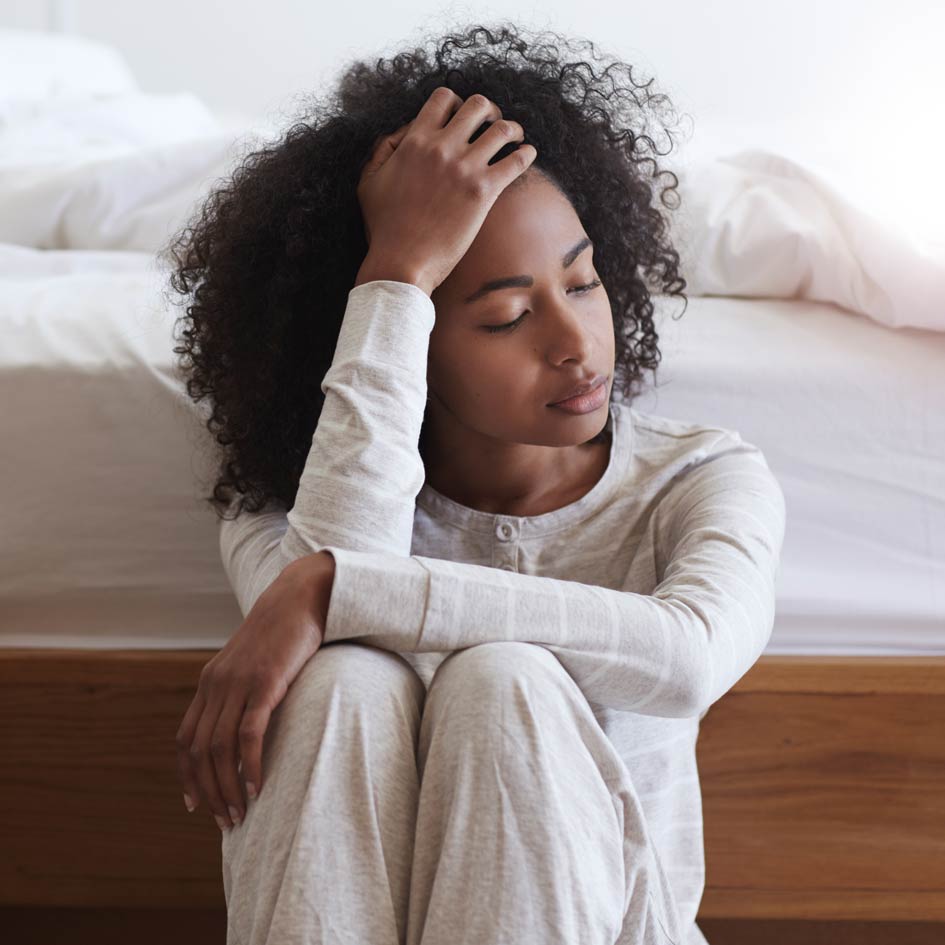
[823, 782]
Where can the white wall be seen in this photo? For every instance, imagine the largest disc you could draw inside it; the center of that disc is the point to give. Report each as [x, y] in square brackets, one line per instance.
[853, 87]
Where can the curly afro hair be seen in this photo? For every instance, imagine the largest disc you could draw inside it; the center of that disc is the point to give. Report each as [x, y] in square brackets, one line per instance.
[268, 259]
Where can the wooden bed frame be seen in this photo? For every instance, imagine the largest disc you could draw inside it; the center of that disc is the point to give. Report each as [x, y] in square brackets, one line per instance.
[823, 782]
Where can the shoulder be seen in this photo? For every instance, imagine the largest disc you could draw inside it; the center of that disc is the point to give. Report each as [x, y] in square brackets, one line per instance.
[672, 457]
[663, 441]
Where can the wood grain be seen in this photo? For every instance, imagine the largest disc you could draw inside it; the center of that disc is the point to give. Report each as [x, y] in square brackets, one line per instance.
[823, 782]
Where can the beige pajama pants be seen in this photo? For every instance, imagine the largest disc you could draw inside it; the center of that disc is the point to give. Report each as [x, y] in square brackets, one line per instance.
[489, 809]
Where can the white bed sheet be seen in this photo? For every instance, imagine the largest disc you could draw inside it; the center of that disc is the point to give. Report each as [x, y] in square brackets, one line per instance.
[106, 544]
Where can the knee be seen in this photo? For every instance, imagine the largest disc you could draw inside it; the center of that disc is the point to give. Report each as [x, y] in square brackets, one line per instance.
[356, 675]
[496, 672]
[486, 698]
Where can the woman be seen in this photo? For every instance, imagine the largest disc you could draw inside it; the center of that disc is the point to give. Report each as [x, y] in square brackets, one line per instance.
[484, 617]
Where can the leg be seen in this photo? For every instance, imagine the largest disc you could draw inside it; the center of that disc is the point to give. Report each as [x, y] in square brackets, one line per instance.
[324, 853]
[529, 831]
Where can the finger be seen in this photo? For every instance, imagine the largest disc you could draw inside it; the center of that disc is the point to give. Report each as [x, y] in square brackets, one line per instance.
[259, 708]
[437, 110]
[201, 758]
[224, 752]
[513, 165]
[383, 142]
[383, 148]
[398, 136]
[183, 740]
[497, 136]
[381, 154]
[475, 111]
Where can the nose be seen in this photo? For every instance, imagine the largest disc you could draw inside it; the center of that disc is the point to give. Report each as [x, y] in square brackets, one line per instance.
[568, 330]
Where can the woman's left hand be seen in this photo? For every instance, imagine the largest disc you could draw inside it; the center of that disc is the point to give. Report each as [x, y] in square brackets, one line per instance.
[244, 682]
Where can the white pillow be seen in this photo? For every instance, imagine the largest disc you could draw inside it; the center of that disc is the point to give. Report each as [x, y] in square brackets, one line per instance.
[72, 131]
[757, 224]
[39, 66]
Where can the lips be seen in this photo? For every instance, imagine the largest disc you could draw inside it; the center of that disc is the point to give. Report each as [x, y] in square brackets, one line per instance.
[581, 389]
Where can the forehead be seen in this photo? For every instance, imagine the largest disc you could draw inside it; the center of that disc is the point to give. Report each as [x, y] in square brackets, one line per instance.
[526, 232]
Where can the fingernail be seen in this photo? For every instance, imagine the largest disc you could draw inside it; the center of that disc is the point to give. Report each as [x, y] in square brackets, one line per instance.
[221, 823]
[234, 815]
[251, 789]
[189, 804]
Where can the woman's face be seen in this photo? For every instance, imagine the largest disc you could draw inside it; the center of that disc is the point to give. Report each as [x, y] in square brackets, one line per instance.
[499, 384]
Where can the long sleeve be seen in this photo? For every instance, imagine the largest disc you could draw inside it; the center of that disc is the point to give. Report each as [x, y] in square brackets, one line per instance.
[361, 477]
[720, 528]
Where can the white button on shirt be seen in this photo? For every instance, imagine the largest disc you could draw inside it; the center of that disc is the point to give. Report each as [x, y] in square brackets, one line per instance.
[504, 531]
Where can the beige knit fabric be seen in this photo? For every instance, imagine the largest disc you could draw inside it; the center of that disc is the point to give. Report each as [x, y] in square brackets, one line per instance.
[654, 593]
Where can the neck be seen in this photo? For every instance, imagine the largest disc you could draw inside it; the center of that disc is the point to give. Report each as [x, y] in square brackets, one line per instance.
[504, 478]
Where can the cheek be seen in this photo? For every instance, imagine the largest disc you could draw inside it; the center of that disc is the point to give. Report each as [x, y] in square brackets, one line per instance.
[605, 329]
[448, 367]
[473, 375]
[485, 381]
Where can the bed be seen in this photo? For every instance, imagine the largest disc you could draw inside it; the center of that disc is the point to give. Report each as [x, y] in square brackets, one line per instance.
[813, 329]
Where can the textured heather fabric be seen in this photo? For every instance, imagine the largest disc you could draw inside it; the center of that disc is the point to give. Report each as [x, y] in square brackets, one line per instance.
[655, 591]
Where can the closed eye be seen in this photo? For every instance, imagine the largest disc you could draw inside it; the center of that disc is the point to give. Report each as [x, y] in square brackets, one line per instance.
[581, 289]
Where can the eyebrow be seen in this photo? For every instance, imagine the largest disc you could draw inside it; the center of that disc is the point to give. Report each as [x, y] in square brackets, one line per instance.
[514, 282]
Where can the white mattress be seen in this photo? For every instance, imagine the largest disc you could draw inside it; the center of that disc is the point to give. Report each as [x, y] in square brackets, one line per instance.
[106, 544]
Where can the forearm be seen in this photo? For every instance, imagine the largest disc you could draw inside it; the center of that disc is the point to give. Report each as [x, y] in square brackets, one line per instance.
[363, 471]
[672, 652]
[316, 572]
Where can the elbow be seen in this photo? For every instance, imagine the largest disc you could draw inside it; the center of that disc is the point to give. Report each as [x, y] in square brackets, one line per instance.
[697, 685]
[687, 694]
[694, 676]
[697, 697]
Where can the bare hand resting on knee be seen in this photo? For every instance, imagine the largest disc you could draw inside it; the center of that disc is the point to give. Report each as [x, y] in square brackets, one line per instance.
[244, 682]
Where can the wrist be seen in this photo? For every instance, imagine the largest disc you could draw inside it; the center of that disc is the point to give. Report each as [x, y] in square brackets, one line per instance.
[323, 586]
[375, 268]
[316, 572]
